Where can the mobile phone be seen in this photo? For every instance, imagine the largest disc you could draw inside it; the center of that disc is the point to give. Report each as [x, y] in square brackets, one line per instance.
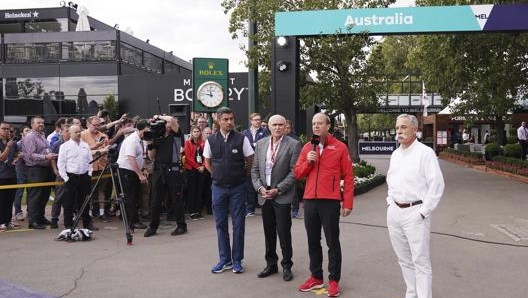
[268, 187]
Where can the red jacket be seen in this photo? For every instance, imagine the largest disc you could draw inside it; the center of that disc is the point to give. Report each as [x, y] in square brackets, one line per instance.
[190, 153]
[323, 177]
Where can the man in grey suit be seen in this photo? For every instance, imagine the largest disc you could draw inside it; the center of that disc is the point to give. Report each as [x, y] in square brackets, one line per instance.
[273, 179]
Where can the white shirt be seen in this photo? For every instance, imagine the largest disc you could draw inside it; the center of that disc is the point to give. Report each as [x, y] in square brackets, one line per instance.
[74, 158]
[521, 133]
[414, 174]
[271, 155]
[131, 146]
[247, 149]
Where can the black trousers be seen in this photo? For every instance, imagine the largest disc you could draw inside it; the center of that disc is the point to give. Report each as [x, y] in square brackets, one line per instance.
[7, 197]
[325, 214]
[132, 191]
[207, 197]
[170, 182]
[37, 197]
[195, 191]
[75, 192]
[276, 219]
[524, 148]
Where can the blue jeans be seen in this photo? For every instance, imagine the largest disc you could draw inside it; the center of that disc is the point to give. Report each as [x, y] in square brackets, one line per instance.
[230, 200]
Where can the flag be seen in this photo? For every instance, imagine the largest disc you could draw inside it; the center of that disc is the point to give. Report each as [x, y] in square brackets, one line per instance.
[425, 100]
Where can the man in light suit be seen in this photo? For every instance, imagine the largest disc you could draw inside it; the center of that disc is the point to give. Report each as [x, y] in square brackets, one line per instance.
[273, 179]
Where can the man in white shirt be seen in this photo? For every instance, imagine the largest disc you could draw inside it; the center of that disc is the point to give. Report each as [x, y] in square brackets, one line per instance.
[415, 186]
[522, 133]
[75, 169]
[131, 159]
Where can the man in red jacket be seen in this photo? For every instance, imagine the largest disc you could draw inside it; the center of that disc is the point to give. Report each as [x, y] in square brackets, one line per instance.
[324, 165]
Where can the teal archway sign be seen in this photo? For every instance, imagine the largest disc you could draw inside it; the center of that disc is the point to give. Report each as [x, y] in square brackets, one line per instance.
[404, 20]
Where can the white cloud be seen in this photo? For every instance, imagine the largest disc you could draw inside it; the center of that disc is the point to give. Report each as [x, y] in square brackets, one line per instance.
[189, 28]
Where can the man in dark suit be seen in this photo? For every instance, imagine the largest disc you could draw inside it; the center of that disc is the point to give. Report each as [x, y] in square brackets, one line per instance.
[273, 179]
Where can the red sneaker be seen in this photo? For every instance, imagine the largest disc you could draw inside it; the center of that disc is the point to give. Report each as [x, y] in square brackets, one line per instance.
[311, 284]
[333, 289]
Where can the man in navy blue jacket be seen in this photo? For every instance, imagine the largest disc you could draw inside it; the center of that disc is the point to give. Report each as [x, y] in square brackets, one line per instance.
[254, 133]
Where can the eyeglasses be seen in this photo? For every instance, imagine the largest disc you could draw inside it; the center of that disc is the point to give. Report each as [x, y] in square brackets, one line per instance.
[257, 119]
[5, 128]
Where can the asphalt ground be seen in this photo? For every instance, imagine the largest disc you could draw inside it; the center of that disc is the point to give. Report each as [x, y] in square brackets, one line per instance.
[471, 257]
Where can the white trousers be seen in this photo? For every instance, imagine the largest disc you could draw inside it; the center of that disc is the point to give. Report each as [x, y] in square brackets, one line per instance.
[410, 235]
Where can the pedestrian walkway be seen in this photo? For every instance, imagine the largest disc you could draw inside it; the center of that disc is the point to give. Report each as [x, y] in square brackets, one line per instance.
[472, 257]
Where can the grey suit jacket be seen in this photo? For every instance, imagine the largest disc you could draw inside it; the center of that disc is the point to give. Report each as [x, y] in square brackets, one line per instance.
[282, 176]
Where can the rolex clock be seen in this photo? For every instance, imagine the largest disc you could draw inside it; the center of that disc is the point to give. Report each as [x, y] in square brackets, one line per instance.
[210, 94]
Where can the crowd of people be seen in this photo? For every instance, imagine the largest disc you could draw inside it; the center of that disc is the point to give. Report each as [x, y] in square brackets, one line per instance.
[163, 169]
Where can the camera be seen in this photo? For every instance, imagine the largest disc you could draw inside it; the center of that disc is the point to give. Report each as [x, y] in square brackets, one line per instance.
[113, 153]
[157, 129]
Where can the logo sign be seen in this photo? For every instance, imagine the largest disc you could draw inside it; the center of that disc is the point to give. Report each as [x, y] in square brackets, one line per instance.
[21, 15]
[380, 148]
[404, 20]
[210, 84]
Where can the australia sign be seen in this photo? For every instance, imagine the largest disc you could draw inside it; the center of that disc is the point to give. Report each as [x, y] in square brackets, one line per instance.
[404, 20]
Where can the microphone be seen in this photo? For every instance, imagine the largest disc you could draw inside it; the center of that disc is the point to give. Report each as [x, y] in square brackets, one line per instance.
[315, 142]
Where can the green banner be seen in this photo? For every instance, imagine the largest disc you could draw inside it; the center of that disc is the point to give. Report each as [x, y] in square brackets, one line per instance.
[210, 84]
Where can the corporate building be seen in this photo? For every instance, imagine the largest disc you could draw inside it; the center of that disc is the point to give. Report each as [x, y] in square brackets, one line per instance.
[52, 67]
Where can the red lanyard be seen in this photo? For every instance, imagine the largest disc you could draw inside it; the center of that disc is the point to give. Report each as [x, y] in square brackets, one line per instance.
[273, 151]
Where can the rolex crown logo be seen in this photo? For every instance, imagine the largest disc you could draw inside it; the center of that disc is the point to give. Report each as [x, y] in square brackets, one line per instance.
[210, 65]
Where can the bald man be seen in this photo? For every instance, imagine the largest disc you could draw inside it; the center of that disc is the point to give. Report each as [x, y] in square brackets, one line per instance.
[76, 171]
[273, 179]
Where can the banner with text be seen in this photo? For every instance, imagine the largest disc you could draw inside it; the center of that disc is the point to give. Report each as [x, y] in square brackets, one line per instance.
[403, 20]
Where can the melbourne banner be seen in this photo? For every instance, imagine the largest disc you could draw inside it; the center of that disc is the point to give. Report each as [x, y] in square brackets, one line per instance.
[404, 20]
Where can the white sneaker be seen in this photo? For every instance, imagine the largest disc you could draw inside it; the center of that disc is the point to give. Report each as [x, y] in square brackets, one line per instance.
[19, 216]
[3, 228]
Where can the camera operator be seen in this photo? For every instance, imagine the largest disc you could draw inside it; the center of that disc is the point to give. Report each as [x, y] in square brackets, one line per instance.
[8, 152]
[167, 176]
[130, 162]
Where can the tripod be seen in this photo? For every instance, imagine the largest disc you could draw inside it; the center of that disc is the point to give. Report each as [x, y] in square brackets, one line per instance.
[120, 198]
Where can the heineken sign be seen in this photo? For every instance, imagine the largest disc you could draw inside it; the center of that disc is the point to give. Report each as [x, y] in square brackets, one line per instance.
[210, 84]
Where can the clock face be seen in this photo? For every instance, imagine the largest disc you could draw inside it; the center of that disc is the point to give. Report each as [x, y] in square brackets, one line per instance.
[210, 94]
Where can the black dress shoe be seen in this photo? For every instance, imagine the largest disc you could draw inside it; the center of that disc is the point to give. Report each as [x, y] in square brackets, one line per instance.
[287, 274]
[149, 232]
[139, 225]
[45, 221]
[36, 226]
[54, 224]
[269, 270]
[91, 227]
[179, 231]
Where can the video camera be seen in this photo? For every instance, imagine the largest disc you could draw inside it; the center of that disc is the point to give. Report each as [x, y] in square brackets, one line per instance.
[157, 129]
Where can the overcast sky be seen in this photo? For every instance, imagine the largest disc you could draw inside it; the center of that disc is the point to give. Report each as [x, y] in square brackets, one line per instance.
[189, 28]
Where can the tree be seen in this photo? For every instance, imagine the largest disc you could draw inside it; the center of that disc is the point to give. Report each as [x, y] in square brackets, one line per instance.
[344, 82]
[110, 104]
[488, 71]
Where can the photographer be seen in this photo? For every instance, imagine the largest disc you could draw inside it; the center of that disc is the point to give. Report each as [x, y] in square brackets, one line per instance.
[98, 143]
[130, 161]
[167, 176]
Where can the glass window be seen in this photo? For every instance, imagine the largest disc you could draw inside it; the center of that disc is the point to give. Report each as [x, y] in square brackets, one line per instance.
[152, 62]
[131, 54]
[171, 67]
[55, 25]
[91, 50]
[23, 96]
[32, 52]
[11, 28]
